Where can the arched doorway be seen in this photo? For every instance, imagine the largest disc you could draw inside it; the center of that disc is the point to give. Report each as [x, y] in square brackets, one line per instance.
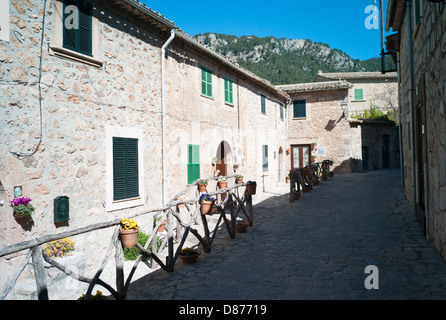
[223, 157]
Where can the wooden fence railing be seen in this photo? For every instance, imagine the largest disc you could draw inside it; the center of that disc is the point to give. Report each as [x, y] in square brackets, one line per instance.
[230, 202]
[303, 179]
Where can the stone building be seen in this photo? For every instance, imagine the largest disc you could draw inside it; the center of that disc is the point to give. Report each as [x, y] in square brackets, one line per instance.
[118, 114]
[320, 127]
[368, 89]
[418, 49]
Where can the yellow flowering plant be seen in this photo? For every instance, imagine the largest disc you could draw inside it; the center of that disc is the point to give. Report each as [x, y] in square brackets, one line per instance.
[187, 252]
[127, 224]
[97, 296]
[59, 248]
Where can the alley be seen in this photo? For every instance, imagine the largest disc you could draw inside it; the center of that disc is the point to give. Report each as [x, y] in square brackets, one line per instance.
[315, 248]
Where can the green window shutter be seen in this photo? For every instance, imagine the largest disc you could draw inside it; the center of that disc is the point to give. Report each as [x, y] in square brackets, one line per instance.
[228, 92]
[281, 111]
[299, 109]
[78, 39]
[265, 157]
[206, 82]
[417, 11]
[359, 94]
[193, 163]
[125, 168]
[263, 103]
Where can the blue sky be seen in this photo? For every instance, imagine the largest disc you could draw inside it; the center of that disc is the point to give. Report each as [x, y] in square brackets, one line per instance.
[337, 23]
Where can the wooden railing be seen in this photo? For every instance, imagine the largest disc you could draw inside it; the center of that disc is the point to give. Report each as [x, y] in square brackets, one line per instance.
[231, 201]
[304, 179]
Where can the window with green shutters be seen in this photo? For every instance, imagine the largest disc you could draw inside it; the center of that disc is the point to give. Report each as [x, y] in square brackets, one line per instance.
[263, 103]
[125, 168]
[228, 92]
[77, 37]
[206, 82]
[299, 109]
[193, 163]
[359, 95]
[265, 157]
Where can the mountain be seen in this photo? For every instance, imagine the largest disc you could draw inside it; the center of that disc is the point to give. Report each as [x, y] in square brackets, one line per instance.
[285, 61]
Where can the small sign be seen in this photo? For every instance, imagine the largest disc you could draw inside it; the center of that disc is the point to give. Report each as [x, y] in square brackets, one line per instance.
[18, 192]
[320, 151]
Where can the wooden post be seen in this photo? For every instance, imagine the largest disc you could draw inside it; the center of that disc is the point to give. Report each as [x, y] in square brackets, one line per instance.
[37, 258]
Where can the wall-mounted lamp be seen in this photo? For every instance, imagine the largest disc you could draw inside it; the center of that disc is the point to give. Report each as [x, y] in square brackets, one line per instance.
[344, 107]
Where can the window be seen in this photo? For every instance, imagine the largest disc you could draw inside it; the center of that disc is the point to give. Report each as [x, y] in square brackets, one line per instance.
[193, 163]
[228, 92]
[77, 26]
[265, 157]
[359, 95]
[299, 109]
[206, 82]
[281, 111]
[263, 103]
[125, 168]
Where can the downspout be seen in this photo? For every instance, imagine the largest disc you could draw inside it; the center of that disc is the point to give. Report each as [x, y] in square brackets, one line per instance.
[412, 107]
[163, 100]
[400, 133]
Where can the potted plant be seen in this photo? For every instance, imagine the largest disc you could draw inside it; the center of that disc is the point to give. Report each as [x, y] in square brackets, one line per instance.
[162, 225]
[241, 226]
[206, 202]
[202, 185]
[313, 158]
[188, 255]
[222, 183]
[239, 179]
[59, 248]
[129, 232]
[21, 207]
[313, 146]
[251, 187]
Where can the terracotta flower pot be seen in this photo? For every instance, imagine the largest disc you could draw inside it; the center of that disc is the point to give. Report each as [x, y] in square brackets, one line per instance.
[201, 187]
[129, 237]
[206, 207]
[222, 184]
[241, 226]
[238, 180]
[161, 227]
[251, 188]
[191, 258]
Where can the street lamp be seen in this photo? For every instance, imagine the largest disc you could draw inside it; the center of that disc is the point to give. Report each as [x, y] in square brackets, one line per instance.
[344, 107]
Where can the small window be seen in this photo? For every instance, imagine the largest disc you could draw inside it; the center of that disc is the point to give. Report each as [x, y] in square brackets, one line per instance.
[299, 109]
[263, 103]
[206, 82]
[265, 157]
[359, 95]
[193, 163]
[281, 112]
[125, 168]
[77, 26]
[229, 98]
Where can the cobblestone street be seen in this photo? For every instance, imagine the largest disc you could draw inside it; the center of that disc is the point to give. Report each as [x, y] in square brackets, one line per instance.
[315, 248]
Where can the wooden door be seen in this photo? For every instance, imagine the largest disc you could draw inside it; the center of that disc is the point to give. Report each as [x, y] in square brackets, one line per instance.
[221, 165]
[300, 155]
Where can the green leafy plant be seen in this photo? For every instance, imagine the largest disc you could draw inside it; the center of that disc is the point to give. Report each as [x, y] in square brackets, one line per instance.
[133, 253]
[203, 182]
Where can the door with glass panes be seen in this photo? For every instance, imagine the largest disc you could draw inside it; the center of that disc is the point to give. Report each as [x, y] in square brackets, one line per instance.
[300, 155]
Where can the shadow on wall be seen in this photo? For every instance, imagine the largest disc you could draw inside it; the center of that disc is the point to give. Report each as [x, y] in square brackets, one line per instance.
[347, 166]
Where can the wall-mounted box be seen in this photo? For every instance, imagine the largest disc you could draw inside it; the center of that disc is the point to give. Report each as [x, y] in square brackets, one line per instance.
[61, 209]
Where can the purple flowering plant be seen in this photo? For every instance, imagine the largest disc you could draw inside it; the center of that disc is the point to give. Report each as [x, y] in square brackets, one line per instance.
[22, 205]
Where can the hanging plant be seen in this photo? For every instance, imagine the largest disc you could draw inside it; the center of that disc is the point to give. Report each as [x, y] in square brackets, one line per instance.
[22, 206]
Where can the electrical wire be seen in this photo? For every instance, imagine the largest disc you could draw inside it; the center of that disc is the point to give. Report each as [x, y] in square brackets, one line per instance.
[19, 155]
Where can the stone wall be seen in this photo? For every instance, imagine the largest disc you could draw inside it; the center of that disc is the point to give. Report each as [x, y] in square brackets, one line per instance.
[429, 58]
[78, 102]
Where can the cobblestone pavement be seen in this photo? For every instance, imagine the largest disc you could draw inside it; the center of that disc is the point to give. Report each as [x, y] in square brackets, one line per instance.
[315, 248]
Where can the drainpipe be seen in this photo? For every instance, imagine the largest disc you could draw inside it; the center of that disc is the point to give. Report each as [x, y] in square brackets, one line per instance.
[163, 99]
[412, 107]
[400, 133]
